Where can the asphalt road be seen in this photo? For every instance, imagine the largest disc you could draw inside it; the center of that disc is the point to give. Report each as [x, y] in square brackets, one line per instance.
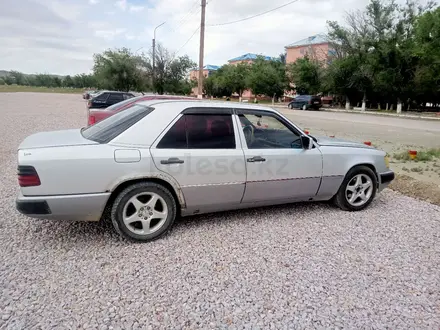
[390, 133]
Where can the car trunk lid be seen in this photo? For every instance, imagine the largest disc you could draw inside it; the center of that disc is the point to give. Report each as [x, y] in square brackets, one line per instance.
[69, 137]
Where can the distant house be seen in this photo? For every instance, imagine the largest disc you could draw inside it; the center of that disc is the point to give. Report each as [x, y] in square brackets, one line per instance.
[249, 58]
[317, 47]
[207, 71]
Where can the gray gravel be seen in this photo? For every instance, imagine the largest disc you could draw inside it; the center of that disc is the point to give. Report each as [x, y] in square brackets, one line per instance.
[297, 266]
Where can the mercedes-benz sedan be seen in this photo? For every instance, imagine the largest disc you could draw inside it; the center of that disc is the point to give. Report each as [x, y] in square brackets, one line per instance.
[161, 159]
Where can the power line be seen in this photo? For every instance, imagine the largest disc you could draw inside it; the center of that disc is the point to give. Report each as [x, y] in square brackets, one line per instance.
[186, 42]
[180, 22]
[253, 16]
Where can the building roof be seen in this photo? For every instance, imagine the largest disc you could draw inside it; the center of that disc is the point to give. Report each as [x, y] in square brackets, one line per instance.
[312, 40]
[209, 67]
[250, 56]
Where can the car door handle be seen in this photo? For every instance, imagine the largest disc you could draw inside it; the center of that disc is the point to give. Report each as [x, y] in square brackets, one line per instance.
[172, 161]
[256, 159]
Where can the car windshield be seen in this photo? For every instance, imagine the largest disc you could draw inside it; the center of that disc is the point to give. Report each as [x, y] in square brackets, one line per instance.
[106, 130]
[122, 103]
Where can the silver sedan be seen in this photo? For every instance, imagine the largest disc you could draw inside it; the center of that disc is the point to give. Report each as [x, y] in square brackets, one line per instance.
[162, 159]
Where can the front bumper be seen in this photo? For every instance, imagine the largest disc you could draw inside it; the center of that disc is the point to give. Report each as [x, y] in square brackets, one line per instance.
[385, 179]
[84, 207]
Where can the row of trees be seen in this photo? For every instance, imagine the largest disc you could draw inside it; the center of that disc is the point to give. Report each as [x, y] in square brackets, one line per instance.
[120, 69]
[385, 54]
[262, 77]
[47, 80]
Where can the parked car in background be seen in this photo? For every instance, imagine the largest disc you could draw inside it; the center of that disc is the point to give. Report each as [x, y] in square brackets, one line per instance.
[88, 94]
[96, 115]
[105, 99]
[142, 166]
[305, 102]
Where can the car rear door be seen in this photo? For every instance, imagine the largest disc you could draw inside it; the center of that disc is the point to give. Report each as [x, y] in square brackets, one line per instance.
[115, 98]
[278, 167]
[202, 151]
[298, 101]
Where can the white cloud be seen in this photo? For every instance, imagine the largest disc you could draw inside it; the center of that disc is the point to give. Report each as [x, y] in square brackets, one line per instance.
[122, 4]
[93, 2]
[60, 36]
[109, 34]
[135, 9]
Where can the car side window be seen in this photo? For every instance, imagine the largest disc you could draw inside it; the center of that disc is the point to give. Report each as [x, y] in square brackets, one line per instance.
[266, 131]
[175, 138]
[115, 98]
[127, 96]
[200, 131]
[102, 97]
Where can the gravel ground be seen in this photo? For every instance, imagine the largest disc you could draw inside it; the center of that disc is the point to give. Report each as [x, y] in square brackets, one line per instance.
[297, 266]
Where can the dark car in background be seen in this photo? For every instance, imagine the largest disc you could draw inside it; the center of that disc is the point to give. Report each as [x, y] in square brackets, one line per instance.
[306, 102]
[107, 98]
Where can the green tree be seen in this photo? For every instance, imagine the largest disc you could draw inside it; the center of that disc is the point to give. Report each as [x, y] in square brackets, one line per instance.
[19, 78]
[170, 72]
[68, 81]
[375, 52]
[118, 69]
[236, 77]
[307, 75]
[427, 51]
[267, 78]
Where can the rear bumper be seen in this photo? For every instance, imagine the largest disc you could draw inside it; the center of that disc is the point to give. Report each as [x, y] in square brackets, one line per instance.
[85, 207]
[385, 179]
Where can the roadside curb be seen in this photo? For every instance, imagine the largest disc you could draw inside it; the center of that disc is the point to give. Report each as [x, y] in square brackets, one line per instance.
[370, 113]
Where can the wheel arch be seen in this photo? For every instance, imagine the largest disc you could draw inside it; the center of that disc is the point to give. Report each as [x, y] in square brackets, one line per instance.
[369, 165]
[175, 191]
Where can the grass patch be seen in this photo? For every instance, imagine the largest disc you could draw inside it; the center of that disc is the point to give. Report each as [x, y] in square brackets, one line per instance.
[31, 89]
[422, 156]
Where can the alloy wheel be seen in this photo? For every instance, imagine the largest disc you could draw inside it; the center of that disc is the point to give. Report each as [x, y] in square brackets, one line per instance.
[359, 190]
[145, 213]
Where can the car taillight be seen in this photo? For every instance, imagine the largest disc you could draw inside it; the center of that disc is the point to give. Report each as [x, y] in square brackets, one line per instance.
[92, 120]
[28, 176]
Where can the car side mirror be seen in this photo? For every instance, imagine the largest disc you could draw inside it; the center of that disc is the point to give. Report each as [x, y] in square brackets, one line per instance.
[306, 142]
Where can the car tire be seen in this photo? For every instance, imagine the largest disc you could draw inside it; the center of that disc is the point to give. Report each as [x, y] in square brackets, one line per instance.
[304, 107]
[290, 106]
[350, 186]
[142, 229]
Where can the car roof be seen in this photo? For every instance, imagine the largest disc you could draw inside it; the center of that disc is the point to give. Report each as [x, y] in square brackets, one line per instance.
[205, 104]
[167, 110]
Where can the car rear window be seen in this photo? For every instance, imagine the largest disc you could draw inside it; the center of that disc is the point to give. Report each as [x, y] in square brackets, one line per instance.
[123, 103]
[107, 129]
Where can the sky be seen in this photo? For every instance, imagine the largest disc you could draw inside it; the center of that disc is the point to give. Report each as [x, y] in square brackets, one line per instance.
[61, 36]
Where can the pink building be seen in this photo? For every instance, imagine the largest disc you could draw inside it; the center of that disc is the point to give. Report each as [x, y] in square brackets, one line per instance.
[316, 47]
[194, 74]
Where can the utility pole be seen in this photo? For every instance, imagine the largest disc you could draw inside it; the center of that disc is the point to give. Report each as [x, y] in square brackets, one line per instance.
[154, 55]
[201, 51]
[154, 58]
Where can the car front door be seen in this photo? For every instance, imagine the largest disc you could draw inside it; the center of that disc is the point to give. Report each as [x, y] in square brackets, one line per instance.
[99, 101]
[203, 153]
[277, 165]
